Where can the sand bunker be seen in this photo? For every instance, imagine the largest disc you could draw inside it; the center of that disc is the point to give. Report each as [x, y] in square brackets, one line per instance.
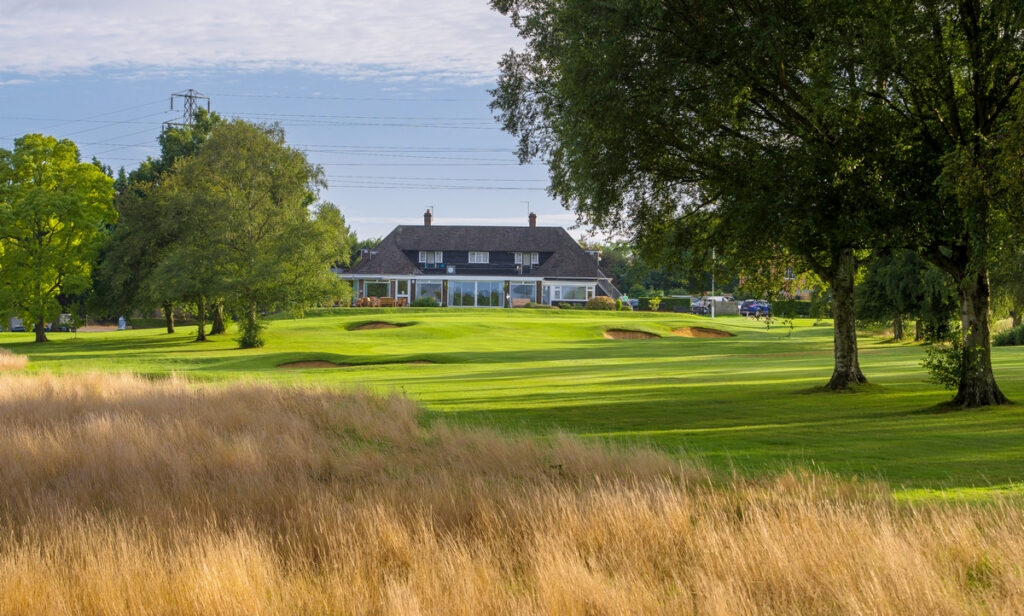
[304, 365]
[701, 332]
[377, 325]
[628, 334]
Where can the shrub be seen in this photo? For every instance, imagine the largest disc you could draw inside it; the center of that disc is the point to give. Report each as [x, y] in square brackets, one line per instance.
[945, 363]
[542, 306]
[1011, 337]
[626, 308]
[618, 303]
[568, 306]
[792, 308]
[601, 303]
[425, 302]
[666, 304]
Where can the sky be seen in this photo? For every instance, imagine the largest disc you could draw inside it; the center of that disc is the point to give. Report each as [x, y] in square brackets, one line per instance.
[390, 96]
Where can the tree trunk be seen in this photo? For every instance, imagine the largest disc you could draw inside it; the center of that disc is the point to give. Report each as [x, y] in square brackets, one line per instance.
[41, 331]
[977, 383]
[897, 328]
[918, 330]
[201, 318]
[1015, 317]
[218, 320]
[169, 316]
[847, 365]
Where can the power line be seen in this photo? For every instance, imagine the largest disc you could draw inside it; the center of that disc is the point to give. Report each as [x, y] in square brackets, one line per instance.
[357, 117]
[105, 113]
[396, 177]
[350, 98]
[383, 187]
[112, 123]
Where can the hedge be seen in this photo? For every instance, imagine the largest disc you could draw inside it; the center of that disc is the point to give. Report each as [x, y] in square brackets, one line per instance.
[1011, 337]
[791, 308]
[668, 304]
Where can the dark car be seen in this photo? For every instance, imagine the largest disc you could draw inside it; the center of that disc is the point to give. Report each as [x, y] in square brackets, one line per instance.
[755, 308]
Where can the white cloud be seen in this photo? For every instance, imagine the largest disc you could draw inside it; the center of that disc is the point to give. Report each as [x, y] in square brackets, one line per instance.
[458, 40]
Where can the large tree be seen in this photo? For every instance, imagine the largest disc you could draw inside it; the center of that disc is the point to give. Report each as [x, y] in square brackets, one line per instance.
[249, 230]
[951, 71]
[126, 274]
[900, 285]
[53, 212]
[736, 125]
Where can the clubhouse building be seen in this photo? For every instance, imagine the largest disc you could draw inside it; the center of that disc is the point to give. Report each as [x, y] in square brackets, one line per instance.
[478, 266]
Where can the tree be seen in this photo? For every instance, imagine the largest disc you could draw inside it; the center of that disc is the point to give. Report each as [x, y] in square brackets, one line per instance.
[53, 209]
[951, 72]
[705, 124]
[145, 229]
[246, 229]
[900, 285]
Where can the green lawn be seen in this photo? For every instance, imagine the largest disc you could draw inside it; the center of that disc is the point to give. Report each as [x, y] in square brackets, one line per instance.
[750, 402]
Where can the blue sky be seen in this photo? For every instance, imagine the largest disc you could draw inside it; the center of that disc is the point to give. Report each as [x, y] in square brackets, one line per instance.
[389, 96]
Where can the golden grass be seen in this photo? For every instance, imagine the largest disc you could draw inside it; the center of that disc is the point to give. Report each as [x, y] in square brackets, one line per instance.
[12, 361]
[127, 496]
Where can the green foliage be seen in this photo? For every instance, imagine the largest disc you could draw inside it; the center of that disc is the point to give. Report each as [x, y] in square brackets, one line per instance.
[425, 302]
[540, 306]
[53, 214]
[666, 304]
[600, 302]
[946, 363]
[1011, 337]
[902, 285]
[126, 280]
[618, 303]
[792, 308]
[245, 229]
[625, 308]
[251, 331]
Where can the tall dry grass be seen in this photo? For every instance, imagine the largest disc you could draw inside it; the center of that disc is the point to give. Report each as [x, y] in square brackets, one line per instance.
[126, 496]
[11, 361]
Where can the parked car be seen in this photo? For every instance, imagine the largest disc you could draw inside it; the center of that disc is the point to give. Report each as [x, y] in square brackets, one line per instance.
[634, 303]
[755, 308]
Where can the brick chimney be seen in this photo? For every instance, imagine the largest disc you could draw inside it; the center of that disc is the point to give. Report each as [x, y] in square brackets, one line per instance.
[533, 219]
[427, 218]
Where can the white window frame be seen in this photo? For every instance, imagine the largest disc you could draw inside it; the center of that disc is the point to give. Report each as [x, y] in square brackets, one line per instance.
[431, 257]
[479, 257]
[519, 258]
[534, 258]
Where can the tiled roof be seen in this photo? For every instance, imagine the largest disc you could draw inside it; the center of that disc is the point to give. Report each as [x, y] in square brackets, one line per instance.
[567, 260]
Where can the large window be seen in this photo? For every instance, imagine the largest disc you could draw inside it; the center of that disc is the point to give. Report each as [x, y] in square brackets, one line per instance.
[430, 289]
[482, 293]
[377, 289]
[527, 258]
[431, 257]
[490, 294]
[552, 294]
[461, 293]
[574, 292]
[520, 294]
[479, 257]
